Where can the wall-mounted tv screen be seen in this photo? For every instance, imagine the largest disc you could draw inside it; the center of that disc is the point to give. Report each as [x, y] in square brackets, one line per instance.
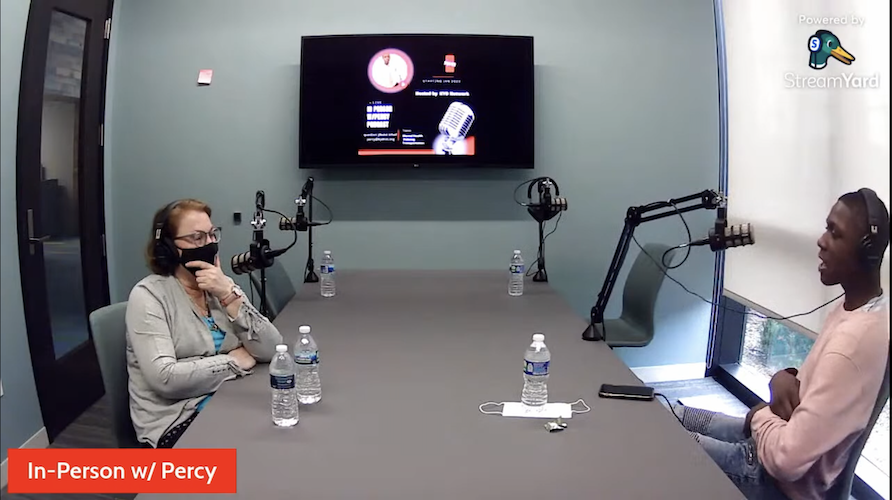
[416, 101]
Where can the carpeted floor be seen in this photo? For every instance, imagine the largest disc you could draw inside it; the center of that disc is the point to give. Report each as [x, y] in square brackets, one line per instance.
[93, 429]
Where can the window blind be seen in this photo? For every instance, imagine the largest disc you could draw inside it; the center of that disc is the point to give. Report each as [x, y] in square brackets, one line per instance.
[798, 138]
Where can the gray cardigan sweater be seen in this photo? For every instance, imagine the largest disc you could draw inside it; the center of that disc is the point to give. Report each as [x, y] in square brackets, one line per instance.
[171, 360]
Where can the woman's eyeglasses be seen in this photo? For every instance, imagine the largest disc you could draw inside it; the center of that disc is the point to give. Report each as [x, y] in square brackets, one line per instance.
[200, 238]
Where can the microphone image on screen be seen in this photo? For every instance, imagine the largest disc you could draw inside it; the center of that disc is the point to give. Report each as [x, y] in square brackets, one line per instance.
[453, 127]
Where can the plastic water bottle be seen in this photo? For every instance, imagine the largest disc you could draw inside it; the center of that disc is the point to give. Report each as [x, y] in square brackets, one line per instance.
[281, 379]
[515, 275]
[535, 372]
[327, 270]
[306, 359]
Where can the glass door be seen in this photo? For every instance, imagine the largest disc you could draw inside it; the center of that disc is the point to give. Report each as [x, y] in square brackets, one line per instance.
[60, 203]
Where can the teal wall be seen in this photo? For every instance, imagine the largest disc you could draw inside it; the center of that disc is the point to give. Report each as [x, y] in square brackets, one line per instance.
[626, 113]
[19, 409]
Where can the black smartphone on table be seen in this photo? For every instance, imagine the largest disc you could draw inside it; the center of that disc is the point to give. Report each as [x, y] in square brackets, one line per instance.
[640, 393]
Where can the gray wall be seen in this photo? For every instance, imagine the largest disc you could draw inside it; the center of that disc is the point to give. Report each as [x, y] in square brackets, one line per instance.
[19, 409]
[626, 113]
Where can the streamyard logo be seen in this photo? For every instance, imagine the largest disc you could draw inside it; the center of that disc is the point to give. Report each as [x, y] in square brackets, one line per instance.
[823, 45]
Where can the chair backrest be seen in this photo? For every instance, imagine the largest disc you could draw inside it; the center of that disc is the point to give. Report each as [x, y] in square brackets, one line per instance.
[842, 488]
[279, 288]
[110, 338]
[642, 286]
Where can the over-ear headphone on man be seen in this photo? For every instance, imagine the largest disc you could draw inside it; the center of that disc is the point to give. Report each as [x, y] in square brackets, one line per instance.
[871, 247]
[165, 252]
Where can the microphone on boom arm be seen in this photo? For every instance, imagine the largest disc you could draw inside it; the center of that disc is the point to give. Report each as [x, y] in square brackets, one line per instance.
[300, 222]
[259, 254]
[722, 236]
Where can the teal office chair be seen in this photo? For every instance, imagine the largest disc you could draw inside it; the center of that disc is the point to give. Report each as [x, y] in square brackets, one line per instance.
[635, 326]
[110, 338]
[279, 288]
[842, 488]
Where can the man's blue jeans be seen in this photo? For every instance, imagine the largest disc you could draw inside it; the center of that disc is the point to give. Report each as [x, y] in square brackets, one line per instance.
[721, 436]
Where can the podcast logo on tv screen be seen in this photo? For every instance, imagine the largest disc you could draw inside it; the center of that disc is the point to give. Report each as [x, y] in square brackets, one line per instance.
[449, 63]
[823, 46]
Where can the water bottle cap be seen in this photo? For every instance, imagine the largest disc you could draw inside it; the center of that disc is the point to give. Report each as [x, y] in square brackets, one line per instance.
[281, 348]
[304, 329]
[538, 337]
[327, 252]
[516, 252]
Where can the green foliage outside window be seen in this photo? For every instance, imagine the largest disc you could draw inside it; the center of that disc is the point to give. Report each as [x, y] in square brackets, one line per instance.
[782, 346]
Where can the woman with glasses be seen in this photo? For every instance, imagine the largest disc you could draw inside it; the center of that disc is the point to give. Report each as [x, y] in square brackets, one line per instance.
[189, 326]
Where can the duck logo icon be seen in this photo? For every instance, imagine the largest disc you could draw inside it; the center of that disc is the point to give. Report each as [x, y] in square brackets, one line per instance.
[823, 45]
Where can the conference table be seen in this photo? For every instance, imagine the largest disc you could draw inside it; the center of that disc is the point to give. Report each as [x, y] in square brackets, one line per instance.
[406, 359]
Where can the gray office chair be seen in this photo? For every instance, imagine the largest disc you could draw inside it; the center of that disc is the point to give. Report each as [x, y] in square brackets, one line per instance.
[279, 288]
[635, 326]
[110, 338]
[842, 488]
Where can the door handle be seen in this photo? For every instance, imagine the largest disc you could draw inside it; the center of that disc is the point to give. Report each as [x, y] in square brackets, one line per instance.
[34, 241]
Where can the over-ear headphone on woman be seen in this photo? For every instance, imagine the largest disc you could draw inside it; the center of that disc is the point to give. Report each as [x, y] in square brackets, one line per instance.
[165, 252]
[872, 247]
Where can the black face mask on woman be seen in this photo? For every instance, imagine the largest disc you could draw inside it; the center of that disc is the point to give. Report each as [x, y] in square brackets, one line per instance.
[207, 253]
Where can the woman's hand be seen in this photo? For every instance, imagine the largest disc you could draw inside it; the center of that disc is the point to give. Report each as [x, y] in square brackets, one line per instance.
[211, 279]
[243, 358]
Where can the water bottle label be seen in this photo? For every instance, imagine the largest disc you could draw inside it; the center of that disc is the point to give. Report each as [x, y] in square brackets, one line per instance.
[324, 269]
[516, 268]
[307, 358]
[535, 367]
[281, 381]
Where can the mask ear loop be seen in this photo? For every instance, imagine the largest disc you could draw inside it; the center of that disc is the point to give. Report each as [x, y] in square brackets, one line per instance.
[490, 412]
[579, 401]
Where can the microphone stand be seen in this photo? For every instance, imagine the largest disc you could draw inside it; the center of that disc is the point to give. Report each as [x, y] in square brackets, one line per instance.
[257, 246]
[310, 275]
[541, 275]
[542, 213]
[708, 199]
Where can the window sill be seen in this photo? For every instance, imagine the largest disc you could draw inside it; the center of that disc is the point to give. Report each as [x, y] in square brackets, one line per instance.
[752, 380]
[870, 482]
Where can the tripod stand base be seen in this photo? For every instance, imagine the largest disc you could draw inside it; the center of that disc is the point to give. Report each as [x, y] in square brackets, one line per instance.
[311, 277]
[592, 333]
[540, 276]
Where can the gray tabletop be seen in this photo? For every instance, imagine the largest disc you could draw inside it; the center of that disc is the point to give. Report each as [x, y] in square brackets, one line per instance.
[406, 358]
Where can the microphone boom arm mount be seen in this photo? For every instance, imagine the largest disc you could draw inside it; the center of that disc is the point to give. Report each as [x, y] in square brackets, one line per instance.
[635, 216]
[259, 255]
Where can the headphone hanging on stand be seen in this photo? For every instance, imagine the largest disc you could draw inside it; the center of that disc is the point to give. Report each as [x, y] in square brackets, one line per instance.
[557, 189]
[551, 204]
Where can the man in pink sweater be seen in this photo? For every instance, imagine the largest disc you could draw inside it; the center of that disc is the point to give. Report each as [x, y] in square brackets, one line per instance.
[797, 445]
